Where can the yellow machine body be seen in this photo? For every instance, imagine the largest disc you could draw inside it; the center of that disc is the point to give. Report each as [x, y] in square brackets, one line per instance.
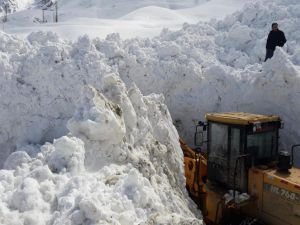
[274, 196]
[277, 196]
[240, 118]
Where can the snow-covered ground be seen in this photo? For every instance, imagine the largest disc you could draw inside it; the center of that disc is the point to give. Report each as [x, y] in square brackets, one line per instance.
[93, 145]
[134, 18]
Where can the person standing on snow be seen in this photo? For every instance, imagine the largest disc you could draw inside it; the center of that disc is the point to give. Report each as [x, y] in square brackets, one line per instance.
[276, 38]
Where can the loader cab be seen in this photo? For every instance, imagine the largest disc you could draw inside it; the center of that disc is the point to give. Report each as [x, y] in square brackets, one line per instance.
[237, 141]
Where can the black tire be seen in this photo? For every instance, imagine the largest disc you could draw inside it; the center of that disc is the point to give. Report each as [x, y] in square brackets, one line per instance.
[252, 221]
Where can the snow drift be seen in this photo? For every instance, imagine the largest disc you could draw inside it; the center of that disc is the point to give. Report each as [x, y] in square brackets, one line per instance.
[98, 18]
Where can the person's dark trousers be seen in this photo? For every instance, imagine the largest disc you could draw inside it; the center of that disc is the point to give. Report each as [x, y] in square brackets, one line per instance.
[269, 54]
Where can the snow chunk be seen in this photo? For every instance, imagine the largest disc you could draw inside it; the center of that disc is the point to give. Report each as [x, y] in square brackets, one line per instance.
[168, 49]
[240, 35]
[97, 119]
[68, 155]
[139, 190]
[28, 197]
[16, 159]
[41, 174]
[281, 65]
[42, 38]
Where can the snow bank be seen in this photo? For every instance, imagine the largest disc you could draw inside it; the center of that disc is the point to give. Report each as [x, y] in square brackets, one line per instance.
[114, 167]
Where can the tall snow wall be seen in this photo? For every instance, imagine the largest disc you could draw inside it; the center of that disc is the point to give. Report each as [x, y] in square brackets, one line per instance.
[215, 66]
[121, 163]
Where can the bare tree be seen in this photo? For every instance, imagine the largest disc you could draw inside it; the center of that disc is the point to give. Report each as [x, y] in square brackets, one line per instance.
[7, 7]
[56, 11]
[5, 12]
[50, 5]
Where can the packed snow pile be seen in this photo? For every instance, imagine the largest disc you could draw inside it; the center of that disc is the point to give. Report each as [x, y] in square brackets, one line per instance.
[114, 167]
[218, 66]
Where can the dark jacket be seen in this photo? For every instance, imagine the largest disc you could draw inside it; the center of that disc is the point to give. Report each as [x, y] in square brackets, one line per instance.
[275, 38]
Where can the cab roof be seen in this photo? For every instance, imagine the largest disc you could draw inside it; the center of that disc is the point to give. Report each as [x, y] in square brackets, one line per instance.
[240, 118]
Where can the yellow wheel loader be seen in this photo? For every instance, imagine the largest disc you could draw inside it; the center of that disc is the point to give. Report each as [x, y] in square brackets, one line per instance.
[238, 176]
